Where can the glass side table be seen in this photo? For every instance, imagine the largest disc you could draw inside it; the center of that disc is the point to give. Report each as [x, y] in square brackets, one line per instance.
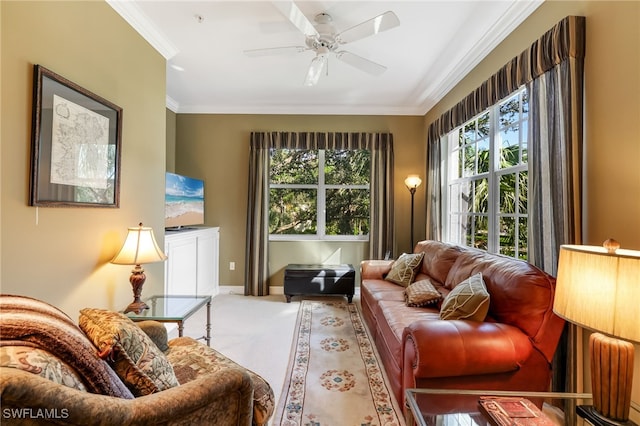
[175, 309]
[448, 407]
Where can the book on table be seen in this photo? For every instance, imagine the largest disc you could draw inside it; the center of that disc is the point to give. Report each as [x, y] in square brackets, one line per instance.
[513, 411]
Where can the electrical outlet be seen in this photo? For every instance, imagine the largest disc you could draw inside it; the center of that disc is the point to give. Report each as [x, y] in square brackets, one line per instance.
[232, 266]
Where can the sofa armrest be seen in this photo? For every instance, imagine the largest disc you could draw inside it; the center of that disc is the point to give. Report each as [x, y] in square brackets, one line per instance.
[439, 348]
[223, 398]
[374, 269]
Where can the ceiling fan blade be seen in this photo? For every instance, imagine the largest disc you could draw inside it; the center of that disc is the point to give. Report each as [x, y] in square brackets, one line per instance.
[270, 51]
[297, 18]
[315, 70]
[361, 63]
[373, 26]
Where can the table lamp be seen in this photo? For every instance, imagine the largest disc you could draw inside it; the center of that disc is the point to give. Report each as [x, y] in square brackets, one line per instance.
[139, 247]
[412, 182]
[599, 288]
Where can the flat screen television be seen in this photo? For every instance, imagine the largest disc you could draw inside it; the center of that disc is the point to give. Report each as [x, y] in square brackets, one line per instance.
[184, 201]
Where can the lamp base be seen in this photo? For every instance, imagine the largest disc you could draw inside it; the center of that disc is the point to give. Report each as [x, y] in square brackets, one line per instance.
[611, 376]
[137, 280]
[137, 307]
[589, 413]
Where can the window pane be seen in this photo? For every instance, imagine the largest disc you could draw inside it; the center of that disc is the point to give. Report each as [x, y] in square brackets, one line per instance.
[508, 193]
[509, 147]
[483, 125]
[481, 196]
[523, 192]
[469, 134]
[343, 167]
[523, 238]
[292, 211]
[469, 160]
[483, 156]
[481, 232]
[296, 166]
[347, 212]
[507, 236]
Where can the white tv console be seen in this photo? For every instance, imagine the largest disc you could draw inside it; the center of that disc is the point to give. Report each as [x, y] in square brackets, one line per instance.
[192, 267]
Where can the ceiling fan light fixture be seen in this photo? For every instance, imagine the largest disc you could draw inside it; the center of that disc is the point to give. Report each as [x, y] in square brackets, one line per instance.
[315, 70]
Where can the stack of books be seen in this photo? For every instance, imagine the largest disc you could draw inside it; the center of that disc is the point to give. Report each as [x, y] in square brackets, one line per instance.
[513, 411]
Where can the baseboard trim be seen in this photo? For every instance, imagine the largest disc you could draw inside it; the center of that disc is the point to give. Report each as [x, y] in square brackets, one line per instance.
[274, 289]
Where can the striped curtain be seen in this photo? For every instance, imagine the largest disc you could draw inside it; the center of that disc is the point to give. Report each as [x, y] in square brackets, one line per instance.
[552, 69]
[381, 190]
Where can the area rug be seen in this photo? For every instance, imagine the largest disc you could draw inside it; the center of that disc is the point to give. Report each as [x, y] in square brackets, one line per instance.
[334, 376]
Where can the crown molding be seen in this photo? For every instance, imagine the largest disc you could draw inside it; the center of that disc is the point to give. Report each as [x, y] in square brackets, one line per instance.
[516, 13]
[131, 13]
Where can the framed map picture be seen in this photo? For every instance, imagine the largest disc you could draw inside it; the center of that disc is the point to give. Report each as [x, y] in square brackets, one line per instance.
[75, 145]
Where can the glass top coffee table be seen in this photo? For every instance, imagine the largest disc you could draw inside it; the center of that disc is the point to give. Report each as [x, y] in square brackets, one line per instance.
[175, 309]
[447, 407]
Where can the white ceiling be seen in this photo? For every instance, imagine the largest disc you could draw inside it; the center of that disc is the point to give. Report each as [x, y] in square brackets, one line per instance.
[436, 44]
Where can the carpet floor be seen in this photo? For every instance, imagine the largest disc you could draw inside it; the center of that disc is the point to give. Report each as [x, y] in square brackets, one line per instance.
[334, 375]
[256, 332]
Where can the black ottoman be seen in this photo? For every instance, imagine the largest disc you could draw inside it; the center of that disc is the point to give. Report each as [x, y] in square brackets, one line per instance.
[319, 279]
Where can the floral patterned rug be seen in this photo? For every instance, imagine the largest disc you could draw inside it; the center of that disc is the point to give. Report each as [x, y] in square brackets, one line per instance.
[334, 376]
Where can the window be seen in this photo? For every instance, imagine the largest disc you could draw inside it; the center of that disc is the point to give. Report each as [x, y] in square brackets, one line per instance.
[486, 185]
[319, 194]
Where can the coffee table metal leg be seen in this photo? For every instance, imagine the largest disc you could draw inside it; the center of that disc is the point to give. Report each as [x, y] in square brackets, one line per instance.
[208, 338]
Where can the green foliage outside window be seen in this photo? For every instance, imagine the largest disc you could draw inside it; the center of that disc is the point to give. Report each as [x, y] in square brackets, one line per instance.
[471, 197]
[323, 193]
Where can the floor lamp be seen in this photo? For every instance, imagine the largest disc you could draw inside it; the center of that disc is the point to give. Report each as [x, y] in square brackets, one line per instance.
[598, 288]
[412, 182]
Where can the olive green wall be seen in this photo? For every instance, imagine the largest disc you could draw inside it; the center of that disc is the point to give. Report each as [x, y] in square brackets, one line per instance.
[61, 255]
[612, 110]
[216, 148]
[171, 141]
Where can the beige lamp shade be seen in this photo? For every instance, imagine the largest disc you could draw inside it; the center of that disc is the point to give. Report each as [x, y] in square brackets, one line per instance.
[412, 181]
[600, 290]
[139, 247]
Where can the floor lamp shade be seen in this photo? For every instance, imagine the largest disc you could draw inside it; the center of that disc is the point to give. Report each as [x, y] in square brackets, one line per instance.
[599, 288]
[139, 247]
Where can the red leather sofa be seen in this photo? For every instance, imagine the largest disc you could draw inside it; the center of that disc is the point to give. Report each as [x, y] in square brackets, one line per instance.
[512, 349]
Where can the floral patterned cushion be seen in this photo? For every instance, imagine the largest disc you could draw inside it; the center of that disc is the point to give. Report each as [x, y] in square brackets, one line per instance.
[42, 363]
[133, 355]
[192, 359]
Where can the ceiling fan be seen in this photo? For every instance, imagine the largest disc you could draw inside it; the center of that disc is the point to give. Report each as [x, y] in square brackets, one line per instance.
[323, 39]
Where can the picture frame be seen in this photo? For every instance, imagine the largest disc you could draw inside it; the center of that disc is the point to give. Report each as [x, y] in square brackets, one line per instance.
[76, 141]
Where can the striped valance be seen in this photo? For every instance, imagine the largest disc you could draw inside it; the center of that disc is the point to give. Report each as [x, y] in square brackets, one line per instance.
[566, 39]
[321, 140]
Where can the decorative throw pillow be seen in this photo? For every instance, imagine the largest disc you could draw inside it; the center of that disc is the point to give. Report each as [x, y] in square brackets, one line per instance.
[157, 332]
[403, 270]
[42, 363]
[468, 300]
[421, 293]
[133, 355]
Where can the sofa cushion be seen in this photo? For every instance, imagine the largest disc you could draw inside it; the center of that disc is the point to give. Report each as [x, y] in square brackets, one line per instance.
[403, 270]
[468, 300]
[438, 259]
[421, 293]
[192, 359]
[42, 363]
[134, 356]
